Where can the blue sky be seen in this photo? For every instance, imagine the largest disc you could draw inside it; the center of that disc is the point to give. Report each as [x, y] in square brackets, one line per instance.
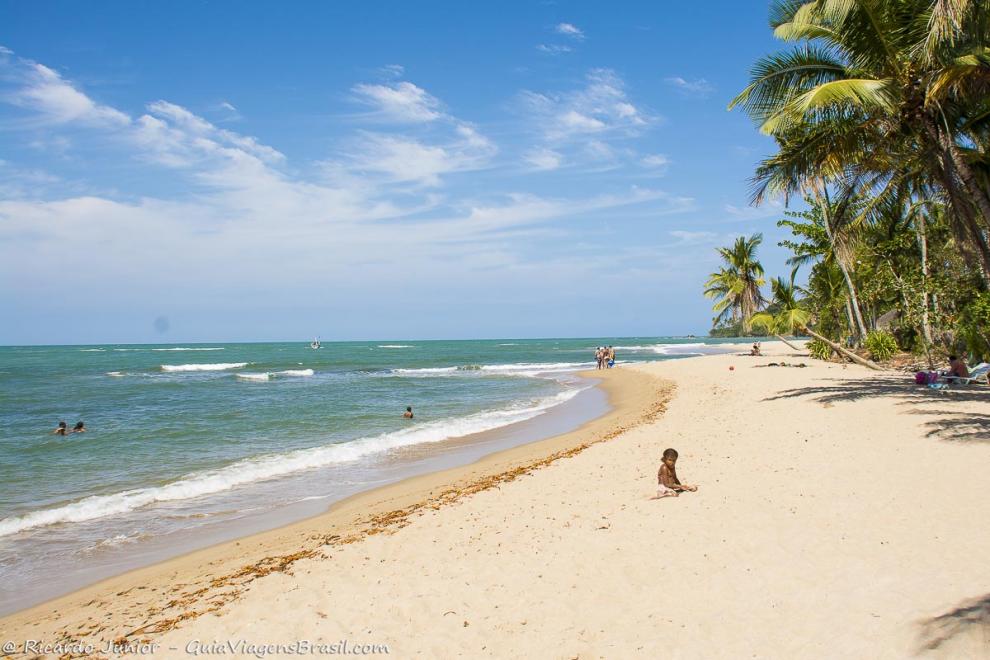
[374, 170]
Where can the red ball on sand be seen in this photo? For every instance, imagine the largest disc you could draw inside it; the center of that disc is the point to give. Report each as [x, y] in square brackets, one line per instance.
[731, 368]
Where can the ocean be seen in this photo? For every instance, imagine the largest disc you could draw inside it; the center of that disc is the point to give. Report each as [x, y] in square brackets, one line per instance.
[188, 445]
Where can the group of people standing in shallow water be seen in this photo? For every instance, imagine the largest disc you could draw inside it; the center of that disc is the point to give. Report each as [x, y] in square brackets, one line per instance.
[605, 357]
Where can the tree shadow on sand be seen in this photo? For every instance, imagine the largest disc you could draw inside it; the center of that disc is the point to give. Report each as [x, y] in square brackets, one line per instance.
[901, 387]
[969, 619]
[956, 426]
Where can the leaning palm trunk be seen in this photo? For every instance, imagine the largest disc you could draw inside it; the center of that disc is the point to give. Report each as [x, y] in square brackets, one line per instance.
[969, 232]
[976, 192]
[967, 199]
[787, 342]
[839, 349]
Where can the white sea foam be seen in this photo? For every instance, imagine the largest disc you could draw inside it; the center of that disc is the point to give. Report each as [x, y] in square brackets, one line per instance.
[537, 366]
[296, 372]
[424, 372]
[92, 350]
[183, 348]
[508, 344]
[116, 374]
[219, 366]
[113, 542]
[254, 377]
[262, 468]
[395, 346]
[518, 369]
[662, 349]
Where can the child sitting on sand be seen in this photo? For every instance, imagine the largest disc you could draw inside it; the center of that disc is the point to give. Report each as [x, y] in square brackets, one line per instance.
[668, 485]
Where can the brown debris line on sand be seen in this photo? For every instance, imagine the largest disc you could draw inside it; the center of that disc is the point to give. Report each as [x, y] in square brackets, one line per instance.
[220, 591]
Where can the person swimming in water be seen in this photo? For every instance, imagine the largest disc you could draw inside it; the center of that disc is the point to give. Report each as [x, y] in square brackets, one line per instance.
[60, 429]
[79, 428]
[409, 413]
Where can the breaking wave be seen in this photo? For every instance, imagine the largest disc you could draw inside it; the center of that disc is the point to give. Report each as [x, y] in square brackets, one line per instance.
[261, 468]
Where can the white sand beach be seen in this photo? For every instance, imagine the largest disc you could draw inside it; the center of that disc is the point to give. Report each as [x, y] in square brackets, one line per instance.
[840, 514]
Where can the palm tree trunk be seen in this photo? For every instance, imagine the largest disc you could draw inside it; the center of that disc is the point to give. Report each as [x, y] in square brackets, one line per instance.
[825, 205]
[853, 301]
[966, 199]
[926, 328]
[788, 343]
[839, 349]
[979, 196]
[849, 316]
[968, 232]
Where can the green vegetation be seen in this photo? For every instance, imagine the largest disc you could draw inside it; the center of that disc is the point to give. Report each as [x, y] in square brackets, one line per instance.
[820, 350]
[880, 110]
[881, 345]
[736, 285]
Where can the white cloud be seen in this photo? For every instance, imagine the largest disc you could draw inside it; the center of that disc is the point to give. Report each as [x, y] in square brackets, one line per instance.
[455, 145]
[472, 139]
[699, 87]
[392, 71]
[573, 121]
[693, 237]
[527, 209]
[553, 49]
[193, 125]
[401, 102]
[601, 105]
[251, 221]
[45, 92]
[543, 159]
[768, 209]
[403, 159]
[24, 183]
[5, 51]
[655, 161]
[229, 111]
[570, 30]
[599, 150]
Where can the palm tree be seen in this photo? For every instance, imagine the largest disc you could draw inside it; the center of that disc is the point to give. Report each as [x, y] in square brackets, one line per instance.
[832, 240]
[875, 91]
[790, 315]
[736, 285]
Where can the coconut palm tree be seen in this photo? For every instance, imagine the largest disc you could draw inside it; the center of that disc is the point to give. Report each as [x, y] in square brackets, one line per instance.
[735, 287]
[832, 238]
[789, 314]
[876, 90]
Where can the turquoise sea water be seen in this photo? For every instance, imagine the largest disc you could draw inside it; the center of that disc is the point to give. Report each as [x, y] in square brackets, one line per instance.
[184, 437]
